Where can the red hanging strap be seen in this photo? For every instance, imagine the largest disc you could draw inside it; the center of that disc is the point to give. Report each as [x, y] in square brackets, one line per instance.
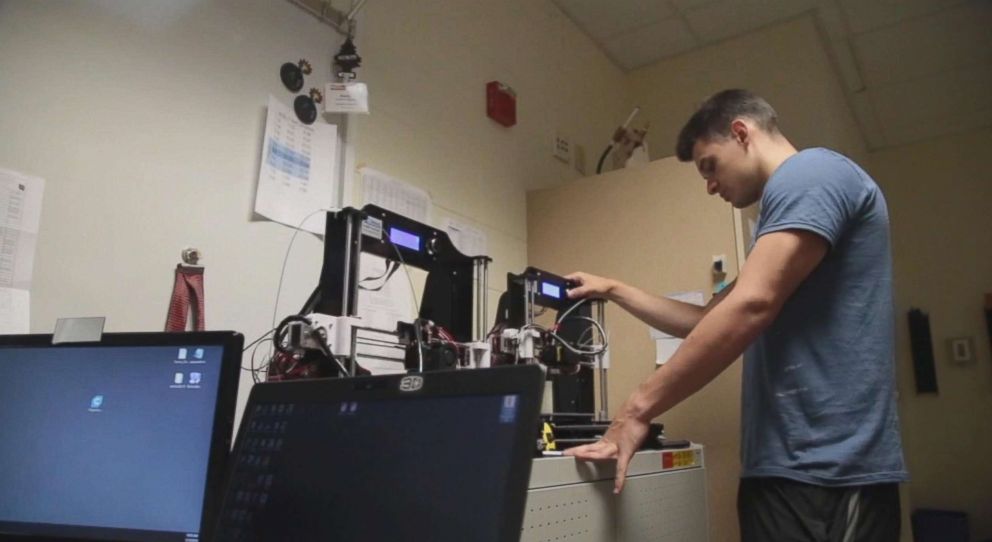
[188, 287]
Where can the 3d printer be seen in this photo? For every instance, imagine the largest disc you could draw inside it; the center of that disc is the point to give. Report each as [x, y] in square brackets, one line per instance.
[450, 331]
[572, 346]
[323, 339]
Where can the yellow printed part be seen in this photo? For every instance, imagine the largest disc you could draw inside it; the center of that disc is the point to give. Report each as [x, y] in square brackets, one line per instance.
[548, 436]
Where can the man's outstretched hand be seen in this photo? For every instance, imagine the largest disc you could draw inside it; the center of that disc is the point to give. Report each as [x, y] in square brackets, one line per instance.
[622, 439]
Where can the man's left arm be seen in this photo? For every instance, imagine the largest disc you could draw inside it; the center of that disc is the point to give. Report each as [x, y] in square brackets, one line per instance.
[777, 265]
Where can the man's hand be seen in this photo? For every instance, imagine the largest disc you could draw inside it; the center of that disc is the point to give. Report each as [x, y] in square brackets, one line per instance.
[622, 439]
[590, 286]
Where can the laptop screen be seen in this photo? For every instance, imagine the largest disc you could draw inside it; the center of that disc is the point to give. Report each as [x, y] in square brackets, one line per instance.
[115, 440]
[366, 465]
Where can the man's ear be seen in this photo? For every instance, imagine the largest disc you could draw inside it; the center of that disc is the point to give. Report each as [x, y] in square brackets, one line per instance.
[740, 131]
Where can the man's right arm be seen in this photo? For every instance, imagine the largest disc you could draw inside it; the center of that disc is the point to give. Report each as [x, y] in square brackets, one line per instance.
[668, 315]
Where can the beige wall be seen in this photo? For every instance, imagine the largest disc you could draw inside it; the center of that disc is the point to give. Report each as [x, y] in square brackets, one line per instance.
[427, 64]
[654, 227]
[787, 64]
[938, 194]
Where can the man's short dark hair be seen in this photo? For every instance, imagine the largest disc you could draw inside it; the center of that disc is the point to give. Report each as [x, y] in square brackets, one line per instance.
[714, 116]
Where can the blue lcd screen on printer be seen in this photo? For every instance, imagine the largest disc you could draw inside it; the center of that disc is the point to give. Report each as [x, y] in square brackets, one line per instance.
[551, 290]
[404, 239]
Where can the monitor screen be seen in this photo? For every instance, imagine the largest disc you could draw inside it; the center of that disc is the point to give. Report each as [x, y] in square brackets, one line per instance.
[308, 456]
[112, 441]
[440, 468]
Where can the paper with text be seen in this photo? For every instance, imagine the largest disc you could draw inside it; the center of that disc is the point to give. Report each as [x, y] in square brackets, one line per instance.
[468, 239]
[297, 173]
[381, 308]
[395, 195]
[20, 217]
[15, 311]
[346, 98]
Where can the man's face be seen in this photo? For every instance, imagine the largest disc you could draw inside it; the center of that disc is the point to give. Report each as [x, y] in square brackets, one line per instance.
[728, 170]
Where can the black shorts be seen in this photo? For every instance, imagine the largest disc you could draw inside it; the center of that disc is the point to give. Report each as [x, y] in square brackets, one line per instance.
[782, 510]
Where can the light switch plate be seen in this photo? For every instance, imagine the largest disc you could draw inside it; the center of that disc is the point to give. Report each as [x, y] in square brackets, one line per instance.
[962, 349]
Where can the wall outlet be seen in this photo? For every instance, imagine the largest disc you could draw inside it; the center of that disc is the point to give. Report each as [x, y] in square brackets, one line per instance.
[563, 149]
[720, 264]
[962, 349]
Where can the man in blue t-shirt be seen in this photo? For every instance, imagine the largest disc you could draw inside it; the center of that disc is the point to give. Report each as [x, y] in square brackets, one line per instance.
[812, 313]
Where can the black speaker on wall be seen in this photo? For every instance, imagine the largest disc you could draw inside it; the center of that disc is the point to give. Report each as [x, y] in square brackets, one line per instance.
[922, 348]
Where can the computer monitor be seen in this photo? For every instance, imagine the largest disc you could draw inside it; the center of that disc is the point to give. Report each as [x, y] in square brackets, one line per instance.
[126, 438]
[442, 456]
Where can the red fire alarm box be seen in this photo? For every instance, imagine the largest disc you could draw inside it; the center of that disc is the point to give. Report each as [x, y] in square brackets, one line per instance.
[501, 103]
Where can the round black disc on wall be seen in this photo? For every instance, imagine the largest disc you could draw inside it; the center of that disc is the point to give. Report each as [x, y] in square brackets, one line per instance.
[292, 76]
[306, 110]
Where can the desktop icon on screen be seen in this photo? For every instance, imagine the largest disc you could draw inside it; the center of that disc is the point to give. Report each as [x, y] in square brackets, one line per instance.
[96, 402]
[198, 353]
[179, 378]
[194, 378]
[509, 412]
[182, 353]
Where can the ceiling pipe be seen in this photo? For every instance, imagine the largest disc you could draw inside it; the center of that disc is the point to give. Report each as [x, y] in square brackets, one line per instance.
[344, 23]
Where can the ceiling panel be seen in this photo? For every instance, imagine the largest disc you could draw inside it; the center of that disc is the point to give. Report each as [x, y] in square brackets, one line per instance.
[601, 19]
[730, 18]
[912, 69]
[686, 5]
[952, 38]
[865, 15]
[647, 44]
[953, 101]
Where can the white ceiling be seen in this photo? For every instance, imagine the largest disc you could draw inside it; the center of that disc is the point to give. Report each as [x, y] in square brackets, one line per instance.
[912, 69]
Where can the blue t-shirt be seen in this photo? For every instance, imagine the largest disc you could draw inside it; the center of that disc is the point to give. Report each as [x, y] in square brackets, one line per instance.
[818, 398]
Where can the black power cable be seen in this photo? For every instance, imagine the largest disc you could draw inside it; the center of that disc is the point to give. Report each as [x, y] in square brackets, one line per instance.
[599, 166]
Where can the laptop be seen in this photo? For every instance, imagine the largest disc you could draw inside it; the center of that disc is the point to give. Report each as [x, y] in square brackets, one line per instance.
[441, 456]
[127, 438]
